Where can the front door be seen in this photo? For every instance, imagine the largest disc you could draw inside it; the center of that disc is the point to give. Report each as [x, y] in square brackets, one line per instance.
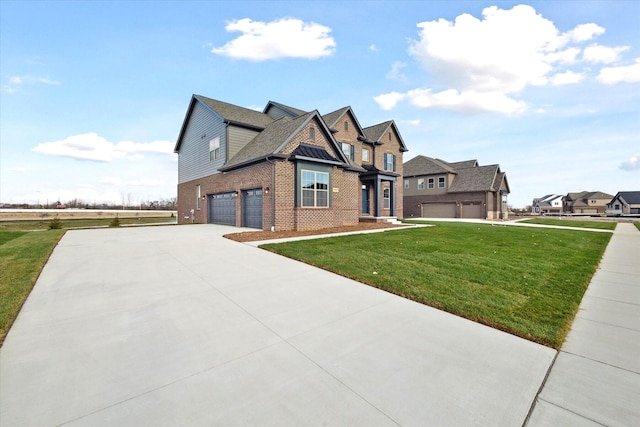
[365, 199]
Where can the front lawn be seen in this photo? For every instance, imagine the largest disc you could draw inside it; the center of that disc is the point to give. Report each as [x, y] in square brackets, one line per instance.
[526, 281]
[600, 225]
[22, 257]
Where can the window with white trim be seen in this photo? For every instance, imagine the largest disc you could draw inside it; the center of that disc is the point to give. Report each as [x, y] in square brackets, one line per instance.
[431, 183]
[389, 162]
[315, 189]
[365, 155]
[420, 183]
[441, 182]
[198, 196]
[348, 150]
[214, 148]
[406, 183]
[386, 195]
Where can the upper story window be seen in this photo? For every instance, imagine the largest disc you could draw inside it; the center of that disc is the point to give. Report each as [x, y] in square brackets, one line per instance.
[420, 183]
[312, 134]
[365, 155]
[315, 189]
[431, 183]
[441, 182]
[406, 183]
[389, 162]
[348, 150]
[214, 148]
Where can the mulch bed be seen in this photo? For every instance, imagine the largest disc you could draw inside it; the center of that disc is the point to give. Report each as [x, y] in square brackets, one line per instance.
[252, 236]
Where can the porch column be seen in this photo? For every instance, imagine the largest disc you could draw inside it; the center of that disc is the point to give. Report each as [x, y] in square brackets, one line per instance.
[392, 198]
[376, 197]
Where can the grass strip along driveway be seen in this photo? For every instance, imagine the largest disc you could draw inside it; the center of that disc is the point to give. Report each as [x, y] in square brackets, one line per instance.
[22, 257]
[523, 280]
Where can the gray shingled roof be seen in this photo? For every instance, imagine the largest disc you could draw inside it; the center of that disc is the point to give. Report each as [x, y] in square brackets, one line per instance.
[269, 141]
[464, 164]
[375, 132]
[481, 178]
[468, 175]
[238, 115]
[630, 197]
[331, 118]
[423, 165]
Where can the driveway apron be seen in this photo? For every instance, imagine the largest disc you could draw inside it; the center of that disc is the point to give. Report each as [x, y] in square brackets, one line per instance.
[170, 326]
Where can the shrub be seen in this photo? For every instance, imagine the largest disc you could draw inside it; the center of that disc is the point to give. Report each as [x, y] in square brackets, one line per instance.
[55, 223]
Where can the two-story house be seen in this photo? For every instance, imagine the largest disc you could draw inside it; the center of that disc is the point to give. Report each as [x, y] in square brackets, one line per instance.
[586, 202]
[285, 168]
[551, 204]
[434, 188]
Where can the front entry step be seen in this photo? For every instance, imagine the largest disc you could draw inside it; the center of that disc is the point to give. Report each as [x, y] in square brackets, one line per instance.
[384, 219]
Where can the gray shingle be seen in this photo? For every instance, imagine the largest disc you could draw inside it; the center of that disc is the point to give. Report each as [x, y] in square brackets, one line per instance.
[238, 115]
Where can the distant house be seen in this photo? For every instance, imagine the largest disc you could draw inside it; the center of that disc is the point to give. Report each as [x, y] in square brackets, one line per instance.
[435, 188]
[624, 203]
[551, 204]
[586, 202]
[285, 168]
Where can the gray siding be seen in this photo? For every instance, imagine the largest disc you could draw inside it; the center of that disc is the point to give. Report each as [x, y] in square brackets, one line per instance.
[277, 113]
[238, 138]
[193, 157]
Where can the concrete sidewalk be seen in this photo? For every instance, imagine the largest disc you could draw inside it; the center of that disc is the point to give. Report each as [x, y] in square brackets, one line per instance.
[169, 326]
[595, 379]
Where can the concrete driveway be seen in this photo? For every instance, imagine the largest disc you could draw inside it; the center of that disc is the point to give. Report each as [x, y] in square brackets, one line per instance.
[170, 326]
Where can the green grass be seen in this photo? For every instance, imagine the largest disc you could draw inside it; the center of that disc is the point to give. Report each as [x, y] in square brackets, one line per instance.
[22, 257]
[600, 225]
[29, 225]
[526, 281]
[637, 224]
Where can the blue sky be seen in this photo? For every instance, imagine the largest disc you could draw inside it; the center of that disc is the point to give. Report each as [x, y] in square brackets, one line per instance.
[93, 93]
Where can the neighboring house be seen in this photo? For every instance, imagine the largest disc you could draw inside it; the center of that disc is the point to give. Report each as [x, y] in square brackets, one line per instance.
[624, 203]
[586, 202]
[551, 204]
[285, 168]
[434, 188]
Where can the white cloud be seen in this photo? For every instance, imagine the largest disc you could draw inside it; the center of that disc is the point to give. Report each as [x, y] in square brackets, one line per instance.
[483, 64]
[633, 164]
[284, 38]
[373, 48]
[18, 169]
[568, 77]
[15, 83]
[602, 54]
[395, 72]
[468, 101]
[414, 122]
[584, 32]
[387, 101]
[621, 74]
[91, 146]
